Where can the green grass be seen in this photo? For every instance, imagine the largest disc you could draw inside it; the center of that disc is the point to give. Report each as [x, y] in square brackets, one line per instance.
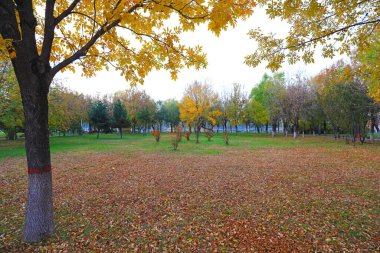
[146, 143]
[107, 142]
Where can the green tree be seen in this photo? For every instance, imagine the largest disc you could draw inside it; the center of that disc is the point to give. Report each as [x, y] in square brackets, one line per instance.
[172, 113]
[120, 117]
[11, 112]
[99, 117]
[269, 93]
[235, 109]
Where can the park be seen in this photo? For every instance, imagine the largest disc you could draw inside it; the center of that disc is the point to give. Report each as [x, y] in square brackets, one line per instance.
[189, 126]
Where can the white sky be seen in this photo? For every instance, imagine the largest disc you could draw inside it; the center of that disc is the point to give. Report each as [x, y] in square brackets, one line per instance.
[225, 56]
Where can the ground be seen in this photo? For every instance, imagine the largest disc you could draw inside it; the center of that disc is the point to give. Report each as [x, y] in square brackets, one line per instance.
[259, 194]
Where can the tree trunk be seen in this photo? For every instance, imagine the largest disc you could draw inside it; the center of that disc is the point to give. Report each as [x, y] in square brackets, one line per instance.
[274, 126]
[121, 132]
[39, 220]
[236, 129]
[97, 137]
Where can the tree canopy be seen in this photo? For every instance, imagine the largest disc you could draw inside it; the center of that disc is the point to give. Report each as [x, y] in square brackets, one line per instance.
[335, 25]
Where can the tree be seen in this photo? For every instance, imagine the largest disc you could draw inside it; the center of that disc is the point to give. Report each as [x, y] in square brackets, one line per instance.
[98, 116]
[196, 105]
[312, 23]
[236, 105]
[257, 113]
[67, 109]
[299, 99]
[369, 65]
[269, 93]
[344, 99]
[172, 113]
[145, 117]
[45, 37]
[120, 117]
[11, 112]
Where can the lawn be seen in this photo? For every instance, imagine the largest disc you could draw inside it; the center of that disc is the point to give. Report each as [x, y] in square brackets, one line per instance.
[258, 194]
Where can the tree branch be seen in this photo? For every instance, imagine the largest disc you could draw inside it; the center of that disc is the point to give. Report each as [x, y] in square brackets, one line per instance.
[66, 12]
[83, 50]
[326, 35]
[49, 31]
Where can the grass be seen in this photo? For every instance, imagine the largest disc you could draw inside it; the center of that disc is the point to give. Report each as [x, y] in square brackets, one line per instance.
[146, 143]
[260, 194]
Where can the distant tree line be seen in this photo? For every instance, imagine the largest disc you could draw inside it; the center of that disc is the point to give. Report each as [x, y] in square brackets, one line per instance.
[334, 101]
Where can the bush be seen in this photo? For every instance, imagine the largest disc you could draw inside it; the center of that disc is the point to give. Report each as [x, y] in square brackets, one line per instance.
[157, 135]
[179, 132]
[209, 134]
[187, 135]
[176, 138]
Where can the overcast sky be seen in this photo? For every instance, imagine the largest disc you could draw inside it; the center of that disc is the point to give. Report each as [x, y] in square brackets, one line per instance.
[225, 56]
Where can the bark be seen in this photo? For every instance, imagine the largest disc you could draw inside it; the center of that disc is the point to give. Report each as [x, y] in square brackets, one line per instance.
[39, 221]
[198, 129]
[274, 126]
[121, 132]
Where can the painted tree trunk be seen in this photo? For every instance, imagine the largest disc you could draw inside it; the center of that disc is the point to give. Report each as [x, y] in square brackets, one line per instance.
[39, 221]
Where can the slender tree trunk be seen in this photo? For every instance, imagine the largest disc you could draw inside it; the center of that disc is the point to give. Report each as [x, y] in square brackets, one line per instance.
[97, 137]
[39, 221]
[121, 132]
[236, 129]
[274, 126]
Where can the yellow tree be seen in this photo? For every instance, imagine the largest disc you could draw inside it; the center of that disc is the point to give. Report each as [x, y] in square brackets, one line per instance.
[134, 36]
[196, 106]
[334, 25]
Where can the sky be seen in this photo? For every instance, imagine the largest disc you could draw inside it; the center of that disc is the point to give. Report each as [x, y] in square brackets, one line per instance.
[225, 56]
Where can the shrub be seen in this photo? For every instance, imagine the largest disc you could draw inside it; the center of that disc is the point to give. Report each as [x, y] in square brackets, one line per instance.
[176, 138]
[209, 134]
[179, 132]
[157, 135]
[187, 135]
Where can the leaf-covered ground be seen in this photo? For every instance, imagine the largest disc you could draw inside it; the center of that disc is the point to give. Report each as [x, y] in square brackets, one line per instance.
[299, 199]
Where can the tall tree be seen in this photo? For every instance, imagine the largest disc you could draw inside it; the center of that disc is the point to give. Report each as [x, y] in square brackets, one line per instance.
[196, 105]
[269, 93]
[120, 117]
[335, 25]
[172, 113]
[99, 117]
[236, 105]
[45, 37]
[299, 98]
[344, 99]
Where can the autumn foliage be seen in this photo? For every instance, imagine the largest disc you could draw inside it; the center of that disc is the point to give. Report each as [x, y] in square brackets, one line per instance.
[157, 135]
[176, 137]
[209, 134]
[187, 135]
